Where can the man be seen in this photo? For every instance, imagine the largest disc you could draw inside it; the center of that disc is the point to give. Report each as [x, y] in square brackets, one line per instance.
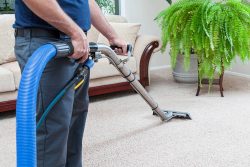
[59, 140]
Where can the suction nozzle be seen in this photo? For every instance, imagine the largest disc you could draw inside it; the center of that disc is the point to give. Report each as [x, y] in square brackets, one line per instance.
[168, 115]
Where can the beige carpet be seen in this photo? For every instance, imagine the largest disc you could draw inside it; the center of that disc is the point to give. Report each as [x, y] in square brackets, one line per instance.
[121, 132]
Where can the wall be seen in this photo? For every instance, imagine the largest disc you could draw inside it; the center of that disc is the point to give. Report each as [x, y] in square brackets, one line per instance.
[144, 11]
[240, 68]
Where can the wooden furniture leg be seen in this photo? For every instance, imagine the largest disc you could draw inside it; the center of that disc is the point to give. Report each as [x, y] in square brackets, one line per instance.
[215, 82]
[221, 83]
[199, 87]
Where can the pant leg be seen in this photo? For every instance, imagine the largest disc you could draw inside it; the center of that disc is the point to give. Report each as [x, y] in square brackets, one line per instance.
[78, 120]
[52, 137]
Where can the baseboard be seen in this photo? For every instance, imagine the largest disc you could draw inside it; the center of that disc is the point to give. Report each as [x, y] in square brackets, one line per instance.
[237, 74]
[227, 72]
[159, 67]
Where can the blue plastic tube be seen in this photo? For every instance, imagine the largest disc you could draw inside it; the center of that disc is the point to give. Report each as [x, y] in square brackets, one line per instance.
[26, 105]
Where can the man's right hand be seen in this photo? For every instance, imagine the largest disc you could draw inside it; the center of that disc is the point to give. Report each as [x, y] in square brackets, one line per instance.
[80, 45]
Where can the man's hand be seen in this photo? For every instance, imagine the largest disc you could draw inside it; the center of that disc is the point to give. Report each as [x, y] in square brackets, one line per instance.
[119, 43]
[102, 25]
[81, 46]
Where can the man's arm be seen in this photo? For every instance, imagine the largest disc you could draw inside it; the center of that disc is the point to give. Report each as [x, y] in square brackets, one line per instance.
[102, 25]
[60, 20]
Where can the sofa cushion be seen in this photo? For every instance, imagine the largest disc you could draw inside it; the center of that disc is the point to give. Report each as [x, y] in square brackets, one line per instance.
[7, 96]
[7, 38]
[15, 69]
[109, 80]
[7, 82]
[116, 18]
[93, 34]
[127, 31]
[104, 69]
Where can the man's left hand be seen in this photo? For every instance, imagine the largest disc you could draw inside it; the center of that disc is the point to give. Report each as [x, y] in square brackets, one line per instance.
[121, 44]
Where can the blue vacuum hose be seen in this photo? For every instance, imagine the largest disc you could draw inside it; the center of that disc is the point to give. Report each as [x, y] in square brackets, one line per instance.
[27, 98]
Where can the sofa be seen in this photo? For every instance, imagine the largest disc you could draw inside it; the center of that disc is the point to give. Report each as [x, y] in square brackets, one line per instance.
[104, 77]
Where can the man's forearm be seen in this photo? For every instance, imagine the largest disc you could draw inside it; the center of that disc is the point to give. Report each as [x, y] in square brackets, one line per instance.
[100, 22]
[51, 12]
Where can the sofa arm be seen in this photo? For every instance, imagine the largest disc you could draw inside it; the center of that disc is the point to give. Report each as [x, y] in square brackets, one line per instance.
[145, 46]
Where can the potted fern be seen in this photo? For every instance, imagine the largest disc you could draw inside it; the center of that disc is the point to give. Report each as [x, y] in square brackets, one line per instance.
[216, 31]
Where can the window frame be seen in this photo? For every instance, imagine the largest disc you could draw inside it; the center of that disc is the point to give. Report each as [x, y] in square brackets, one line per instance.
[117, 7]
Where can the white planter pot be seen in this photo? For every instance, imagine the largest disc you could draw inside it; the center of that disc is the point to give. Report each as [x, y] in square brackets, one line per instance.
[183, 76]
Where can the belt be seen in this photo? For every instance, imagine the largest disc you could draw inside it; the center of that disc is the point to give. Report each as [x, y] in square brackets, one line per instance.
[37, 32]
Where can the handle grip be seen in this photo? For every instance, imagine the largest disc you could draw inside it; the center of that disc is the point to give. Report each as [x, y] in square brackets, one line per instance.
[94, 47]
[63, 49]
[129, 47]
[129, 51]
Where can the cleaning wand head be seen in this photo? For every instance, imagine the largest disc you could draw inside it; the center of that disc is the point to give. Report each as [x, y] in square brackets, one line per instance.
[169, 115]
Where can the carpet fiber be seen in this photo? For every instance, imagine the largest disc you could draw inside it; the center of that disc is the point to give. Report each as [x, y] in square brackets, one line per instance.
[121, 131]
